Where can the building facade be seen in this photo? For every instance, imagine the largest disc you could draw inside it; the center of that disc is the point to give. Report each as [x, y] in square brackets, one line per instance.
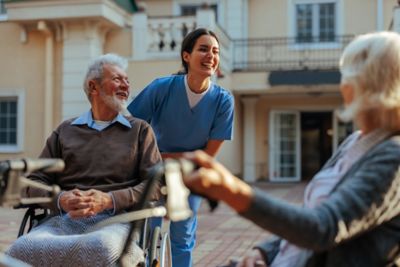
[279, 58]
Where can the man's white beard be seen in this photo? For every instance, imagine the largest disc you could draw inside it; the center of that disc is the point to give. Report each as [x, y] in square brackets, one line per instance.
[349, 112]
[113, 102]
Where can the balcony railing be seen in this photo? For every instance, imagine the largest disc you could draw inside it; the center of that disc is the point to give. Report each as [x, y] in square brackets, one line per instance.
[165, 35]
[161, 37]
[271, 54]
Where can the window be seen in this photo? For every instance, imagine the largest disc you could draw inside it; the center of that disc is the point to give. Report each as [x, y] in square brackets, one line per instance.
[10, 122]
[3, 11]
[2, 7]
[190, 10]
[315, 22]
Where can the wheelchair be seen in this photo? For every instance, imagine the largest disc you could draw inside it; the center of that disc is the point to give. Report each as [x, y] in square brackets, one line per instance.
[155, 243]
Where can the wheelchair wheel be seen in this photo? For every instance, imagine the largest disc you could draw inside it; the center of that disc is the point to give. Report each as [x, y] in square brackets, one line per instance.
[160, 249]
[165, 251]
[144, 234]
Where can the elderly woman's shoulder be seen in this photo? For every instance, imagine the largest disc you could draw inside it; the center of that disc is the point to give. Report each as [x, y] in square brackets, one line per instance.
[391, 145]
[395, 139]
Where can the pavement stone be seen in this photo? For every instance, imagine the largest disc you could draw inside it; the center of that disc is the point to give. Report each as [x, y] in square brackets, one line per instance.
[224, 235]
[221, 235]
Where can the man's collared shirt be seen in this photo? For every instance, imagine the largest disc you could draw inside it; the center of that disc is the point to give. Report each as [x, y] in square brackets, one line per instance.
[87, 118]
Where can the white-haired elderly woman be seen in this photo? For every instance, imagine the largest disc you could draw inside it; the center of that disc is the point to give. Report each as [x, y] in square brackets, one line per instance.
[350, 215]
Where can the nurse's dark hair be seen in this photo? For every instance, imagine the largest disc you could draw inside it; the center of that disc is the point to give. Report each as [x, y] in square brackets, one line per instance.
[189, 41]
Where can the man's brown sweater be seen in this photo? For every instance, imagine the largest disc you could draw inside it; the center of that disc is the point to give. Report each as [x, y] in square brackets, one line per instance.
[112, 160]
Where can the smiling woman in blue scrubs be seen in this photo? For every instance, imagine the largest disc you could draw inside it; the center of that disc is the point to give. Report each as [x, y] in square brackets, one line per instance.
[188, 112]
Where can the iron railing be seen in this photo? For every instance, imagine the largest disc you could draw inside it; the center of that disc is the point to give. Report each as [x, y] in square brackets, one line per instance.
[271, 54]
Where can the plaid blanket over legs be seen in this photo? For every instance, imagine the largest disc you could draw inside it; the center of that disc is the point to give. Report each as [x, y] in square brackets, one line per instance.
[62, 241]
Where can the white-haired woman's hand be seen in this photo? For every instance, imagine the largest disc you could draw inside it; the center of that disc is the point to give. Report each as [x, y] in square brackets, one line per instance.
[252, 259]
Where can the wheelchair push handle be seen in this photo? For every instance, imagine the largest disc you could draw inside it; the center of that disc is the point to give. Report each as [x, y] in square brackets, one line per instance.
[187, 167]
[29, 165]
[13, 180]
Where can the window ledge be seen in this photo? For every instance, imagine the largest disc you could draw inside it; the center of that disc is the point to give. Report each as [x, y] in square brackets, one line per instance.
[315, 46]
[10, 149]
[3, 17]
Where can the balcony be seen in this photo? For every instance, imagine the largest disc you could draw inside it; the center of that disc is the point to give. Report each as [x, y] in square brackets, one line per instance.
[161, 37]
[278, 54]
[158, 38]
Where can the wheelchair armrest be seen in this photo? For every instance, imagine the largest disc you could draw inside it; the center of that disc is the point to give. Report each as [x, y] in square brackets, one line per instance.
[27, 206]
[33, 215]
[153, 204]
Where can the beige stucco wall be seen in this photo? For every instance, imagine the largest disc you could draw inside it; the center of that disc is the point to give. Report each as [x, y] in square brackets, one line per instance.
[267, 18]
[142, 73]
[231, 152]
[119, 41]
[157, 7]
[249, 82]
[22, 68]
[366, 16]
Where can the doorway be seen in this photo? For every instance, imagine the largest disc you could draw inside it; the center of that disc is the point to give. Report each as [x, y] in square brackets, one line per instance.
[316, 141]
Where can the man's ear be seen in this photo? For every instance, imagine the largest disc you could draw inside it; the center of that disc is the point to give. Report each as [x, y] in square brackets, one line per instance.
[92, 87]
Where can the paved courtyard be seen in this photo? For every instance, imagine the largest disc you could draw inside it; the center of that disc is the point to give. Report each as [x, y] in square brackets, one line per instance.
[221, 235]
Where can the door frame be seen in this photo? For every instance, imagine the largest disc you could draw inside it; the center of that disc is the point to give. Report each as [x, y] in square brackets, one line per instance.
[273, 143]
[272, 138]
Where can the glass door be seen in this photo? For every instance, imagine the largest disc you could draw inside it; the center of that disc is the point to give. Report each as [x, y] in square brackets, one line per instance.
[284, 146]
[341, 131]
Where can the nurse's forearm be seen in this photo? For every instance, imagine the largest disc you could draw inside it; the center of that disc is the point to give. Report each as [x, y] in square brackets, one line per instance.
[213, 147]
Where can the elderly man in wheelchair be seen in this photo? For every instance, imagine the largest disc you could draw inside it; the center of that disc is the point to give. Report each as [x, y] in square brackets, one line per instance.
[106, 156]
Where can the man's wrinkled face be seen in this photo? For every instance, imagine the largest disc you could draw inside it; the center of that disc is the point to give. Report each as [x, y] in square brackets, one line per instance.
[114, 87]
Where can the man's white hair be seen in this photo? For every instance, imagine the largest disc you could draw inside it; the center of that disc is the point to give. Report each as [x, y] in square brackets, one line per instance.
[95, 69]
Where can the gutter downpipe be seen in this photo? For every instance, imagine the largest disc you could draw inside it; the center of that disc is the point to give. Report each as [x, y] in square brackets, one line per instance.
[48, 78]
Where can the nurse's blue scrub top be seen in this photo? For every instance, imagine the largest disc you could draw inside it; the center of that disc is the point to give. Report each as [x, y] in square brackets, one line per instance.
[178, 128]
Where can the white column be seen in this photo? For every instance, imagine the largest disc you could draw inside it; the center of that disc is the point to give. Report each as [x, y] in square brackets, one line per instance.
[49, 84]
[249, 139]
[236, 18]
[83, 41]
[205, 18]
[396, 19]
[140, 35]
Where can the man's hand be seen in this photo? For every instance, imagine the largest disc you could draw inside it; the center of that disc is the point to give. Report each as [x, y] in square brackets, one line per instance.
[81, 204]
